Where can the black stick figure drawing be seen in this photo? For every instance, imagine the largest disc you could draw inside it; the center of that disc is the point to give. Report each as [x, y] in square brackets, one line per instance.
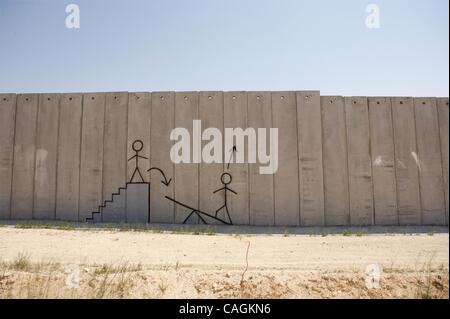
[137, 147]
[226, 180]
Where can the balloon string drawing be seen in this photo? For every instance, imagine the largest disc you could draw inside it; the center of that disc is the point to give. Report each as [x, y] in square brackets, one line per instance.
[119, 208]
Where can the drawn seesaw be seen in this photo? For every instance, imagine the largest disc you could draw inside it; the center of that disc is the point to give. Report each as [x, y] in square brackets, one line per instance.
[198, 212]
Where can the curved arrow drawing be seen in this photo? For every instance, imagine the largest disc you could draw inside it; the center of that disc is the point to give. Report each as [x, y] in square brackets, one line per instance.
[165, 181]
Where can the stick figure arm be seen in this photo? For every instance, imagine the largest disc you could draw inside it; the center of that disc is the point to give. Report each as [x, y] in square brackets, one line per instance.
[141, 156]
[232, 190]
[218, 190]
[132, 157]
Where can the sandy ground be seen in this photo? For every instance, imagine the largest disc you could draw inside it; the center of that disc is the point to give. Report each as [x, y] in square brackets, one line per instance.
[215, 265]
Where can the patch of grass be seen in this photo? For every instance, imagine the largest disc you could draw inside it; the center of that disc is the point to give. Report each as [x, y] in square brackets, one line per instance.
[21, 263]
[286, 233]
[210, 232]
[141, 227]
[424, 287]
[430, 233]
[323, 234]
[347, 233]
[24, 225]
[162, 287]
[38, 285]
[124, 227]
[66, 226]
[35, 225]
[111, 269]
[156, 230]
[433, 283]
[124, 282]
[359, 233]
[103, 269]
[109, 280]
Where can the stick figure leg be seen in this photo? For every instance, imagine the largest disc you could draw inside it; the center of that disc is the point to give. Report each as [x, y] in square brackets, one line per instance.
[228, 213]
[139, 172]
[134, 173]
[217, 211]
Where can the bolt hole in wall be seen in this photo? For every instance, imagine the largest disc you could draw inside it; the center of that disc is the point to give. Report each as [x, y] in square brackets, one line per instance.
[336, 157]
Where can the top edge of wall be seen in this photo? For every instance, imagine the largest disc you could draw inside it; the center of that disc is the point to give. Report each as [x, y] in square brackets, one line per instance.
[228, 91]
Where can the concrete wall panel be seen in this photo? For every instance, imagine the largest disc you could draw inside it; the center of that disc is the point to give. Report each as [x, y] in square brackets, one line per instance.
[69, 150]
[442, 105]
[359, 161]
[284, 113]
[163, 120]
[383, 161]
[46, 157]
[310, 158]
[430, 162]
[91, 166]
[235, 115]
[261, 192]
[186, 174]
[211, 115]
[24, 156]
[7, 125]
[407, 173]
[139, 121]
[335, 170]
[115, 150]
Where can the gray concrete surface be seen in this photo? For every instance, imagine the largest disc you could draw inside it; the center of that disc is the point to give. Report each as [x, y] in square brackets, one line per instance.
[442, 105]
[286, 186]
[359, 161]
[430, 162]
[235, 115]
[335, 165]
[406, 167]
[115, 147]
[310, 158]
[186, 174]
[69, 150]
[7, 124]
[163, 120]
[46, 156]
[24, 156]
[91, 166]
[137, 196]
[261, 187]
[211, 115]
[342, 160]
[383, 161]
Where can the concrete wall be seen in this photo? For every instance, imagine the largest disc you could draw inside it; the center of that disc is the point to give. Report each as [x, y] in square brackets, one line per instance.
[342, 160]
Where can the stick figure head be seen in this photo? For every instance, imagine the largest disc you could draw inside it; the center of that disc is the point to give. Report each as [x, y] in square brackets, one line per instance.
[225, 178]
[137, 145]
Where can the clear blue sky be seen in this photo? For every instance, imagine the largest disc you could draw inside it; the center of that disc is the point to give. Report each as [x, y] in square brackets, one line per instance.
[139, 45]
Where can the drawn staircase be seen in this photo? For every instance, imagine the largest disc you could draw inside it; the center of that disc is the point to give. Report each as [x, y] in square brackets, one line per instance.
[128, 204]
